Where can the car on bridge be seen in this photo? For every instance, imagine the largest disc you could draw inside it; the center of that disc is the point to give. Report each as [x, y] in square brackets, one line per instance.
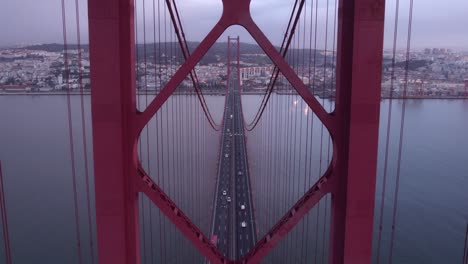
[243, 224]
[242, 206]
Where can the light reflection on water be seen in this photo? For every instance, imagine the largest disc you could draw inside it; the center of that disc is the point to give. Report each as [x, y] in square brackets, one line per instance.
[432, 212]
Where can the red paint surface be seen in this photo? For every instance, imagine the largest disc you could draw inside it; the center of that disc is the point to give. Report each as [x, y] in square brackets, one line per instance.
[353, 127]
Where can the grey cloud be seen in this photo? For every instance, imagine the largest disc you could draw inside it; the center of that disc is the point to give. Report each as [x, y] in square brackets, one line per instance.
[435, 23]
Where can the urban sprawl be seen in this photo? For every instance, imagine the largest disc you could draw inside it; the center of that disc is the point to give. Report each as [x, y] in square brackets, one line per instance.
[432, 73]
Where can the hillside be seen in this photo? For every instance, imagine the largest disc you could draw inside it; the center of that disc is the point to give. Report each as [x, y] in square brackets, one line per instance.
[217, 53]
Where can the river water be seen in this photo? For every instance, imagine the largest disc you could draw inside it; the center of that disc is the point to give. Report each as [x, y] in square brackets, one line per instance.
[432, 204]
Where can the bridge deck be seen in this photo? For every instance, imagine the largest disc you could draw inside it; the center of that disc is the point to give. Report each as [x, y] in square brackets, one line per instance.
[234, 224]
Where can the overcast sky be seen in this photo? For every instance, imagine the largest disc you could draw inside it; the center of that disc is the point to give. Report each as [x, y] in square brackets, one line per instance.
[436, 23]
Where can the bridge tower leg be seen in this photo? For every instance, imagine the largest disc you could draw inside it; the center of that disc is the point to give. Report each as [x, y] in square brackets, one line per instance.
[359, 64]
[111, 39]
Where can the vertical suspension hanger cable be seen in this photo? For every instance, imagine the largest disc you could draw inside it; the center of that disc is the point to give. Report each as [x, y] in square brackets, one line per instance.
[173, 182]
[177, 23]
[70, 136]
[277, 174]
[269, 157]
[192, 159]
[137, 57]
[275, 73]
[320, 153]
[322, 126]
[387, 138]
[170, 160]
[291, 141]
[3, 211]
[307, 139]
[284, 49]
[145, 72]
[83, 131]
[263, 165]
[177, 174]
[297, 113]
[150, 207]
[284, 204]
[402, 127]
[332, 86]
[465, 251]
[166, 108]
[311, 75]
[304, 220]
[300, 172]
[197, 184]
[158, 119]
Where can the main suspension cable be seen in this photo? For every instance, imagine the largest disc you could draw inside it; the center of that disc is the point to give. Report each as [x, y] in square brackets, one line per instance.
[186, 54]
[284, 49]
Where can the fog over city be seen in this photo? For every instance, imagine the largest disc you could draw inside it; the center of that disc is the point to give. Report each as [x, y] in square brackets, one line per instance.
[439, 24]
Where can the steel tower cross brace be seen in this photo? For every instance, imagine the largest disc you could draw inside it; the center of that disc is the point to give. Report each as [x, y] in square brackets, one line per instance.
[353, 127]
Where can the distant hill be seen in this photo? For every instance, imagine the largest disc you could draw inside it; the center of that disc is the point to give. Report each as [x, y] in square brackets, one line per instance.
[54, 47]
[217, 53]
[413, 64]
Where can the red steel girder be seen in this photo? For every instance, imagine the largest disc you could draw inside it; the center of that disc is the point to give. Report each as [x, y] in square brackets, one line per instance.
[147, 186]
[355, 140]
[353, 126]
[113, 104]
[234, 13]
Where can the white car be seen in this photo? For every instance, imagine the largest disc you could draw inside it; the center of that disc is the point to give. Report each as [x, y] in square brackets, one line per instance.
[232, 116]
[243, 224]
[224, 192]
[239, 173]
[228, 199]
[226, 155]
[242, 206]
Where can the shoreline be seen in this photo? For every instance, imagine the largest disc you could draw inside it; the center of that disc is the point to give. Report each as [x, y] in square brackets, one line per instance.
[222, 94]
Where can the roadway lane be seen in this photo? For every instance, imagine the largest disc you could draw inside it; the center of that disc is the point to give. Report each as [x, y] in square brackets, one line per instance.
[222, 215]
[233, 223]
[245, 233]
